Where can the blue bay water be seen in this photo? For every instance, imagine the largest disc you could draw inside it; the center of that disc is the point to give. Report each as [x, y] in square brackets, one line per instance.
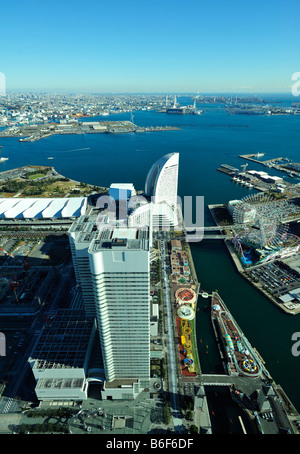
[204, 143]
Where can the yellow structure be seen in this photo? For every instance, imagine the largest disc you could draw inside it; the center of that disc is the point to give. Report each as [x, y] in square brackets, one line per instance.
[186, 330]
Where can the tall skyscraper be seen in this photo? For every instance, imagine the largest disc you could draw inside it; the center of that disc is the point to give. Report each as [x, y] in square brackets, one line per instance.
[113, 269]
[161, 186]
[162, 180]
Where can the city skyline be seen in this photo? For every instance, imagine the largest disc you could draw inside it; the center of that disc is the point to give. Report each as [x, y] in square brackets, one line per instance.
[128, 48]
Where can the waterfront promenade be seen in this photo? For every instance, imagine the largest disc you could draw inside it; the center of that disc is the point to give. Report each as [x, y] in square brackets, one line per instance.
[180, 384]
[248, 386]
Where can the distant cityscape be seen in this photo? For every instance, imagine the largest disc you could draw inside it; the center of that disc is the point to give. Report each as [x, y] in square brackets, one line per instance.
[20, 109]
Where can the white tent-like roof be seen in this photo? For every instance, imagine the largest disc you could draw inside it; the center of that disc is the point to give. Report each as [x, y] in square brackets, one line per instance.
[30, 208]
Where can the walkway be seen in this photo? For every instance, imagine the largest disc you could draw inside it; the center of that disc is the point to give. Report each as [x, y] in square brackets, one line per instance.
[245, 384]
[172, 364]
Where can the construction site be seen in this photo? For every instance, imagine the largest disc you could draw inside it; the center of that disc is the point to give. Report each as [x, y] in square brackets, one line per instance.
[24, 291]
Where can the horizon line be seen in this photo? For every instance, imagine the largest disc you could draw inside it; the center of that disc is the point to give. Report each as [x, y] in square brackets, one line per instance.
[198, 93]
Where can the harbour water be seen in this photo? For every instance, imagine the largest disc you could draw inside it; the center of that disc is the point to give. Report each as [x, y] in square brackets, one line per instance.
[204, 143]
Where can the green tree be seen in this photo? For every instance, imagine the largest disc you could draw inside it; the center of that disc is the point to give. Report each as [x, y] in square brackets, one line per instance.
[189, 415]
[167, 414]
[194, 429]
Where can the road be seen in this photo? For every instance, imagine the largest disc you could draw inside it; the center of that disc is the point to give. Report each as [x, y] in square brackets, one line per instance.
[172, 364]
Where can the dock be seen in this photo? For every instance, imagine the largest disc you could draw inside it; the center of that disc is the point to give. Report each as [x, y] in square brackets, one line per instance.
[275, 163]
[35, 132]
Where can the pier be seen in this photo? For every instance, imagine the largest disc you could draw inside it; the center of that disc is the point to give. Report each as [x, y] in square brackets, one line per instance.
[34, 132]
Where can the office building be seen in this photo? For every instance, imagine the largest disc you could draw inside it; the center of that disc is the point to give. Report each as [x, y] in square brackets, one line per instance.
[112, 267]
[162, 180]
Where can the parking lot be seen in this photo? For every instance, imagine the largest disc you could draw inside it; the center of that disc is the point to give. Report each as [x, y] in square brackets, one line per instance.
[13, 250]
[277, 277]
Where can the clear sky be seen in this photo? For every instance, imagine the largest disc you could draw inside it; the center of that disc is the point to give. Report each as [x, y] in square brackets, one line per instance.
[164, 46]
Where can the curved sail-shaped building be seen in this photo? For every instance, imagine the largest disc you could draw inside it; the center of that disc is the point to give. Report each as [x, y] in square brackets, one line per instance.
[162, 180]
[161, 186]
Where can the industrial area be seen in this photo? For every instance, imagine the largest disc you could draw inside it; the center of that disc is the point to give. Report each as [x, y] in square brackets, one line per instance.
[34, 132]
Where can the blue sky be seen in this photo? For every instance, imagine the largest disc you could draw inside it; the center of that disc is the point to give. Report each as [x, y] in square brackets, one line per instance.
[158, 46]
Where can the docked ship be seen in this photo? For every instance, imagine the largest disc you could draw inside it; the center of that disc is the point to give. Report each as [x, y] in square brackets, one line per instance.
[241, 359]
[182, 110]
[2, 159]
[176, 110]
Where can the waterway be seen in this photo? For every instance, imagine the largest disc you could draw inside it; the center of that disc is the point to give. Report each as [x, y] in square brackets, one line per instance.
[204, 143]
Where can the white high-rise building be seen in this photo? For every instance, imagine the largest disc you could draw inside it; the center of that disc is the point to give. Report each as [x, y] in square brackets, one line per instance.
[120, 273]
[161, 186]
[162, 180]
[112, 266]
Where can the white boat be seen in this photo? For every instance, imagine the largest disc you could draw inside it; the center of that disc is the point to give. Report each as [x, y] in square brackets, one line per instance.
[3, 159]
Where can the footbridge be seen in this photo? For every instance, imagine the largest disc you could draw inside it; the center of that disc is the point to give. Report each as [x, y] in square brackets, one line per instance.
[217, 237]
[211, 232]
[244, 384]
[222, 227]
[216, 380]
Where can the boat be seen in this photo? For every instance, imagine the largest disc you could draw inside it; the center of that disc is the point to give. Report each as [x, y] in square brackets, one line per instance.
[241, 358]
[2, 159]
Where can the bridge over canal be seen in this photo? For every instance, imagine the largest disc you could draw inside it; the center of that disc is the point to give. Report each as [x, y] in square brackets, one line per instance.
[244, 384]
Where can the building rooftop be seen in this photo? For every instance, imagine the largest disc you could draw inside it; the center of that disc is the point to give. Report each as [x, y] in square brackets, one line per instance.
[100, 233]
[42, 207]
[120, 383]
[64, 341]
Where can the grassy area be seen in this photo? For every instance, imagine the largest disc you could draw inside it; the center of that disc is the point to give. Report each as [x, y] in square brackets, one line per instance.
[44, 188]
[35, 176]
[194, 346]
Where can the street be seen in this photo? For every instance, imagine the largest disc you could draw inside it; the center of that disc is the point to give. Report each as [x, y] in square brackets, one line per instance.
[172, 368]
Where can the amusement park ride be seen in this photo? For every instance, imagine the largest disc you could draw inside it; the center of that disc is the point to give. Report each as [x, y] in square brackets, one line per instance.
[264, 232]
